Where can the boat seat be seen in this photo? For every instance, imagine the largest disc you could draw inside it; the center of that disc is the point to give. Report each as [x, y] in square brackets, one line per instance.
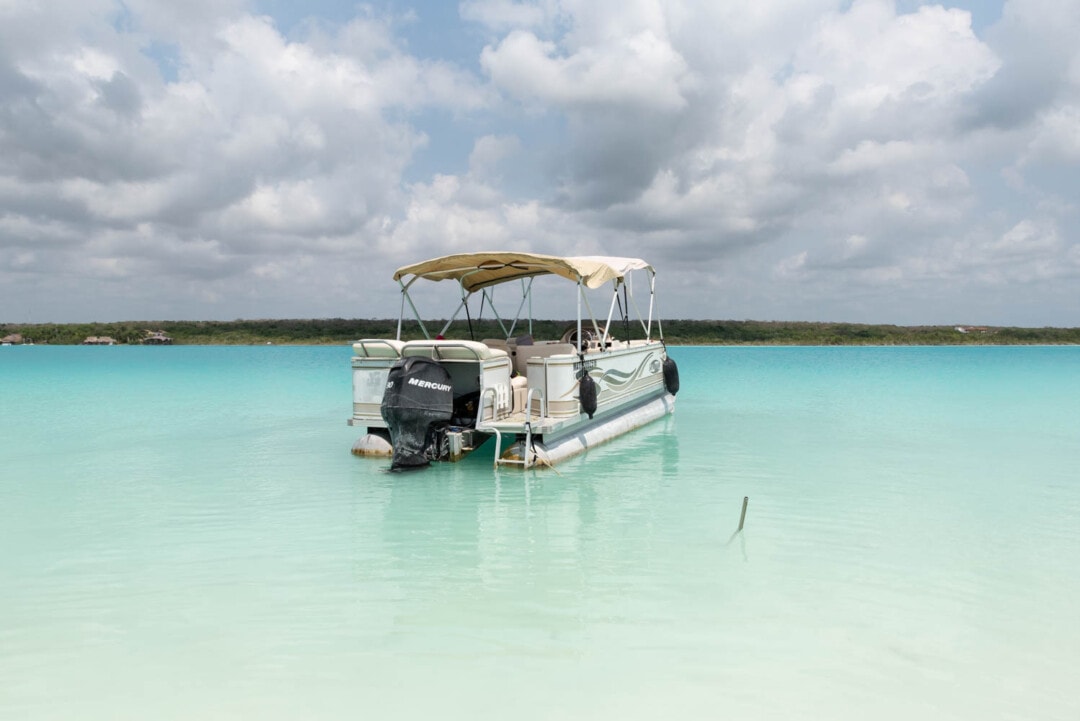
[519, 387]
[497, 344]
[378, 348]
[460, 350]
[540, 350]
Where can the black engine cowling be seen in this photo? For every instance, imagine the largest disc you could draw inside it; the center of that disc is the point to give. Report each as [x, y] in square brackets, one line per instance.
[419, 398]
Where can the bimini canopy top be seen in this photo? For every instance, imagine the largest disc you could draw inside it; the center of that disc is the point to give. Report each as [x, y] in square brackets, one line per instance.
[480, 270]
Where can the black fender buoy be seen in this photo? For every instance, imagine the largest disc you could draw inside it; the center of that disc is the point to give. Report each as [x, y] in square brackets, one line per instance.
[587, 393]
[671, 376]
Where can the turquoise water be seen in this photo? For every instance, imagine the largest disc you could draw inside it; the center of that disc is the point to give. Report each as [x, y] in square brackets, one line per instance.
[185, 535]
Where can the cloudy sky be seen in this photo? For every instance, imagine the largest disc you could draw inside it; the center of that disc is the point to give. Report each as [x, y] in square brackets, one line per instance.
[885, 161]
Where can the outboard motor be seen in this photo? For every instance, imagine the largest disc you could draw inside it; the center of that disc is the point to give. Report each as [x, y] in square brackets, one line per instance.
[418, 399]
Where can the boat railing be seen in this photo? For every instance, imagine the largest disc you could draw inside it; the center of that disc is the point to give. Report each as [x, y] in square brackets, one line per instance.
[529, 402]
[481, 405]
[524, 460]
[378, 348]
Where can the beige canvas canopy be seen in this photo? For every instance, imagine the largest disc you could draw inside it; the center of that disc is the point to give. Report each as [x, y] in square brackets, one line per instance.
[480, 270]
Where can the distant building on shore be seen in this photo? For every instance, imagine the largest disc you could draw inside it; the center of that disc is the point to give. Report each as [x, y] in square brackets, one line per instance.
[13, 339]
[157, 337]
[99, 340]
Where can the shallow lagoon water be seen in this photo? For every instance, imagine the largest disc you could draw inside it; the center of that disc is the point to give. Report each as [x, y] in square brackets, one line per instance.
[184, 535]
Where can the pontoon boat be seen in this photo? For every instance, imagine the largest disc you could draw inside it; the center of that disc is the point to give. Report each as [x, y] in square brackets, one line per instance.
[439, 397]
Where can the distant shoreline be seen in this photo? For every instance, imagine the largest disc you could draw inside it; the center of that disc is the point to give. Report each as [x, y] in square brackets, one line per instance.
[334, 331]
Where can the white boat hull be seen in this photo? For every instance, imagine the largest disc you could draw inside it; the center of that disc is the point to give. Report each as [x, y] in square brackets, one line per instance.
[541, 410]
[439, 399]
[590, 435]
[373, 443]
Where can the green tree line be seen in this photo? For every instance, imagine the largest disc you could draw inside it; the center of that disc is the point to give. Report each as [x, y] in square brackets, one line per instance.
[327, 331]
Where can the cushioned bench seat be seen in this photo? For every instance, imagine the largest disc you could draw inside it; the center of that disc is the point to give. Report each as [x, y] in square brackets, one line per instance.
[378, 348]
[540, 350]
[460, 350]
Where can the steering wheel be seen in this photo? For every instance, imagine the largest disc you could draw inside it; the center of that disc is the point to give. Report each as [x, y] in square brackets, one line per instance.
[570, 336]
